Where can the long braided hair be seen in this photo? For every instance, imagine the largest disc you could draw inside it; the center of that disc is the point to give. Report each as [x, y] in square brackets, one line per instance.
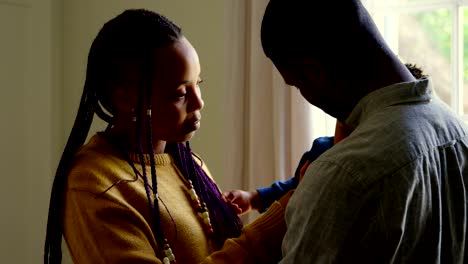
[129, 39]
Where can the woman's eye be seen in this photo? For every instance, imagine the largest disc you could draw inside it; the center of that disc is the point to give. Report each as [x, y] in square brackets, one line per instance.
[179, 95]
[199, 82]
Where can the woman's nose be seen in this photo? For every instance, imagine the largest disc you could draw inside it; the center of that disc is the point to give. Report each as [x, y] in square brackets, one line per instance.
[197, 102]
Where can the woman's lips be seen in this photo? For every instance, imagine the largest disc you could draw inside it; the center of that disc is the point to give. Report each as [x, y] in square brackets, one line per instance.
[193, 124]
[196, 123]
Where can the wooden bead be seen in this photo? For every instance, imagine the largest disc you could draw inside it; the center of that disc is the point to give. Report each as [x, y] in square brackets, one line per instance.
[168, 252]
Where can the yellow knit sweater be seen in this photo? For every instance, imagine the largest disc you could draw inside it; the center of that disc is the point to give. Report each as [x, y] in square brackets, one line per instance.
[103, 225]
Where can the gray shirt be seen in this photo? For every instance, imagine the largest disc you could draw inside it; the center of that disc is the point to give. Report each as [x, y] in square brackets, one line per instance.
[394, 191]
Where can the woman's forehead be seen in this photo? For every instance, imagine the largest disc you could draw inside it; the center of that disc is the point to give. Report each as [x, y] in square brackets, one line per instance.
[179, 60]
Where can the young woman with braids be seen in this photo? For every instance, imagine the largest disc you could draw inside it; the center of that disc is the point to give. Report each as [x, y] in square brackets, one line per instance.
[135, 193]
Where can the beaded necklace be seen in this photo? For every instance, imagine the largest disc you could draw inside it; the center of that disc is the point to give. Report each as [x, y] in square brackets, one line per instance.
[200, 207]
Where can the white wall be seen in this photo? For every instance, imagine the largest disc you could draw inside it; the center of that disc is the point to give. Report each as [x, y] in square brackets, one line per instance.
[26, 143]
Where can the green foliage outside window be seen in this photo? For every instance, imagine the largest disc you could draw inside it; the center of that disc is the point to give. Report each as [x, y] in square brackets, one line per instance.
[438, 25]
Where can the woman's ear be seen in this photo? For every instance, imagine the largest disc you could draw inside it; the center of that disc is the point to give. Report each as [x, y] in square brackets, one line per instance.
[124, 101]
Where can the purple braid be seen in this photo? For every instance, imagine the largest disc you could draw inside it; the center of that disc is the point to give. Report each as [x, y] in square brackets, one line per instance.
[225, 222]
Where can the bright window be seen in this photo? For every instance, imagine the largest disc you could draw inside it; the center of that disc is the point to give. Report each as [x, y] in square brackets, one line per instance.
[430, 34]
[433, 34]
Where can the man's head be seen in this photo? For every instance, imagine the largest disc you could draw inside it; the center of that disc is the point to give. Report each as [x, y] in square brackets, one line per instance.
[298, 28]
[323, 48]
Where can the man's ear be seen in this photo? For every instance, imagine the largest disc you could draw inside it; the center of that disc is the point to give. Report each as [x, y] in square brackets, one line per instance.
[124, 101]
[313, 69]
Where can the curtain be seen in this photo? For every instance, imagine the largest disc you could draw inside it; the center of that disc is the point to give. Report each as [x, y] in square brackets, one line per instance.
[268, 124]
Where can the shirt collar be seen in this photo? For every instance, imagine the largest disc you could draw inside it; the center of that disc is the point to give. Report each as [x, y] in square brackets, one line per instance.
[399, 93]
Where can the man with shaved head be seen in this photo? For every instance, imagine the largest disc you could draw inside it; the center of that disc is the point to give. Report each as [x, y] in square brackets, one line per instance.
[393, 191]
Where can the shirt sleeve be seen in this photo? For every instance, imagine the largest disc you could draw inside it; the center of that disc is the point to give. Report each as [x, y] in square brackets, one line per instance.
[270, 194]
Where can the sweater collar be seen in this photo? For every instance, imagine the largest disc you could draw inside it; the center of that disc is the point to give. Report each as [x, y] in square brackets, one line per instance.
[160, 159]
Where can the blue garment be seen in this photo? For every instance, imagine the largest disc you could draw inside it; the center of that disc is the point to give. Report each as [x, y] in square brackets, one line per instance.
[272, 193]
[394, 191]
